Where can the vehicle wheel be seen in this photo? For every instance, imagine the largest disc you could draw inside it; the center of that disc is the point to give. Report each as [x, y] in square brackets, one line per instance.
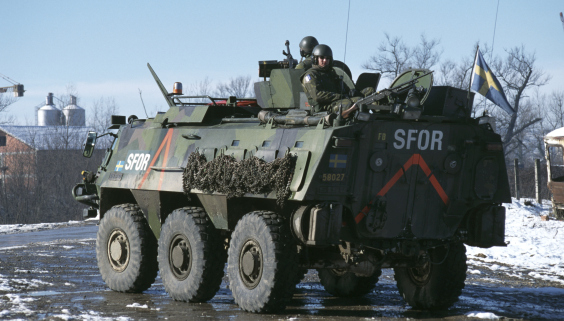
[438, 283]
[191, 256]
[126, 249]
[299, 276]
[559, 214]
[262, 263]
[347, 284]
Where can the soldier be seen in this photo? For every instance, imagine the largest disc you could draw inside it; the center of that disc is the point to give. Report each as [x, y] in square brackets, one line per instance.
[327, 87]
[306, 47]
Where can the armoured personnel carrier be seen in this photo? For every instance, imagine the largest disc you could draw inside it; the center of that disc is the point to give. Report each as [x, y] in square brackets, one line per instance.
[273, 190]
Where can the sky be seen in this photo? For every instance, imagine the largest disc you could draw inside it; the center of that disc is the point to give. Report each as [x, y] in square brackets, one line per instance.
[102, 47]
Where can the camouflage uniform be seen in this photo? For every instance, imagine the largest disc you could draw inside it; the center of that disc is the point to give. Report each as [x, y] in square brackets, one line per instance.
[326, 90]
[305, 64]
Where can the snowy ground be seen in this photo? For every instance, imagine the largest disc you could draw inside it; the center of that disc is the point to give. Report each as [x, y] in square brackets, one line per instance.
[492, 292]
[533, 244]
[21, 228]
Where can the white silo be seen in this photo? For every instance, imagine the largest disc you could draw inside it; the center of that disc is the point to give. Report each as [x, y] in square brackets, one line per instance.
[49, 115]
[74, 115]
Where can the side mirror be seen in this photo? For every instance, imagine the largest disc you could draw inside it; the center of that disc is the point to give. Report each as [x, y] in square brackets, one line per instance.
[89, 144]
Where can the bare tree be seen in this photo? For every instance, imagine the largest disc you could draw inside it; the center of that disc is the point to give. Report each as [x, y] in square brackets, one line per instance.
[201, 88]
[100, 118]
[426, 54]
[394, 56]
[554, 114]
[6, 99]
[519, 74]
[239, 87]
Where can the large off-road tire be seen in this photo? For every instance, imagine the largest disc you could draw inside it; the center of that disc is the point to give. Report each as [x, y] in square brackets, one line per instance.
[126, 249]
[438, 283]
[191, 256]
[299, 275]
[262, 263]
[347, 284]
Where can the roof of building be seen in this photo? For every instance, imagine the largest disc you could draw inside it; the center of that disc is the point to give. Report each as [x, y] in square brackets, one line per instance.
[48, 137]
[557, 133]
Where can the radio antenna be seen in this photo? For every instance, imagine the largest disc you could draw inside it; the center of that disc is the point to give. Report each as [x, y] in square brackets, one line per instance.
[495, 26]
[347, 34]
[143, 103]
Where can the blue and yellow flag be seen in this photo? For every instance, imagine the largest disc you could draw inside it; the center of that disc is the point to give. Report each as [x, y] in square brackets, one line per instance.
[119, 166]
[485, 83]
[338, 161]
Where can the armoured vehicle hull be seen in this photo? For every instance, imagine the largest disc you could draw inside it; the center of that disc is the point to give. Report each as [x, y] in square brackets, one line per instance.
[381, 190]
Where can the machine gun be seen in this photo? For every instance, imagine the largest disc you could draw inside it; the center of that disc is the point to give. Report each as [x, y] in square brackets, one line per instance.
[396, 91]
[288, 55]
[403, 91]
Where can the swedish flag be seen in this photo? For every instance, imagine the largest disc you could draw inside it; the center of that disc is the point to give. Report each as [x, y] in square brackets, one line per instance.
[119, 166]
[485, 83]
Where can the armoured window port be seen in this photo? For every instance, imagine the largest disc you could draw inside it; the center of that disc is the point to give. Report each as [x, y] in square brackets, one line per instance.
[299, 144]
[235, 143]
[266, 143]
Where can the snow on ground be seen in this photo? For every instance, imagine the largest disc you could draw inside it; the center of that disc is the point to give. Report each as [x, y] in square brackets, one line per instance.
[21, 228]
[482, 315]
[533, 244]
[534, 249]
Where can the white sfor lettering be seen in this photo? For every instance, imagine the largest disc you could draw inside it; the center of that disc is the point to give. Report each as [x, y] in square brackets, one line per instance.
[145, 161]
[438, 139]
[137, 161]
[411, 137]
[400, 133]
[425, 139]
[129, 165]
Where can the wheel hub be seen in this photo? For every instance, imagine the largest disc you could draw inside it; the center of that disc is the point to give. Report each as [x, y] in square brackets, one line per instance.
[118, 250]
[251, 263]
[180, 256]
[420, 275]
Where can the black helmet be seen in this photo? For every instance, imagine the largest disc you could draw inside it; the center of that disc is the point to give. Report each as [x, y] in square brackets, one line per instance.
[307, 44]
[323, 51]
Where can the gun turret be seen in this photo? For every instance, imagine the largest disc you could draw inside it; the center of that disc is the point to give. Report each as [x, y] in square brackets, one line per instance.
[404, 96]
[408, 87]
[288, 55]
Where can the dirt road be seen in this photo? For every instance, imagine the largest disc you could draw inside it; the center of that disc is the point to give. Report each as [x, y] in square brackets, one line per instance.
[56, 278]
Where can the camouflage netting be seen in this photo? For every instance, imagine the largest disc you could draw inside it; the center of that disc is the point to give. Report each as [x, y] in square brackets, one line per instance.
[226, 175]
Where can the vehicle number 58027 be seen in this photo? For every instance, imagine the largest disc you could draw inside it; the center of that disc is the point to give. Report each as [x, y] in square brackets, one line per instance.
[333, 177]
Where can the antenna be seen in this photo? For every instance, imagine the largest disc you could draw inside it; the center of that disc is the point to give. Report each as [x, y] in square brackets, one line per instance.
[347, 34]
[143, 103]
[495, 26]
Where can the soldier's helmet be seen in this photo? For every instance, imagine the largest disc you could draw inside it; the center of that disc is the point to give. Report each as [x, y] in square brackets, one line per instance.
[307, 44]
[322, 51]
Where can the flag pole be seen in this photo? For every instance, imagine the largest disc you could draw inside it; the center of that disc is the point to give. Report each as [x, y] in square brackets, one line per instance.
[471, 77]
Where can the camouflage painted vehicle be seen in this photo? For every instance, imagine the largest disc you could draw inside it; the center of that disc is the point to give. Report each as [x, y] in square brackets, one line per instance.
[274, 190]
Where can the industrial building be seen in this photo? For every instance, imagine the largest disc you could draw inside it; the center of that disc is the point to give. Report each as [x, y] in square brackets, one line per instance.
[23, 148]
